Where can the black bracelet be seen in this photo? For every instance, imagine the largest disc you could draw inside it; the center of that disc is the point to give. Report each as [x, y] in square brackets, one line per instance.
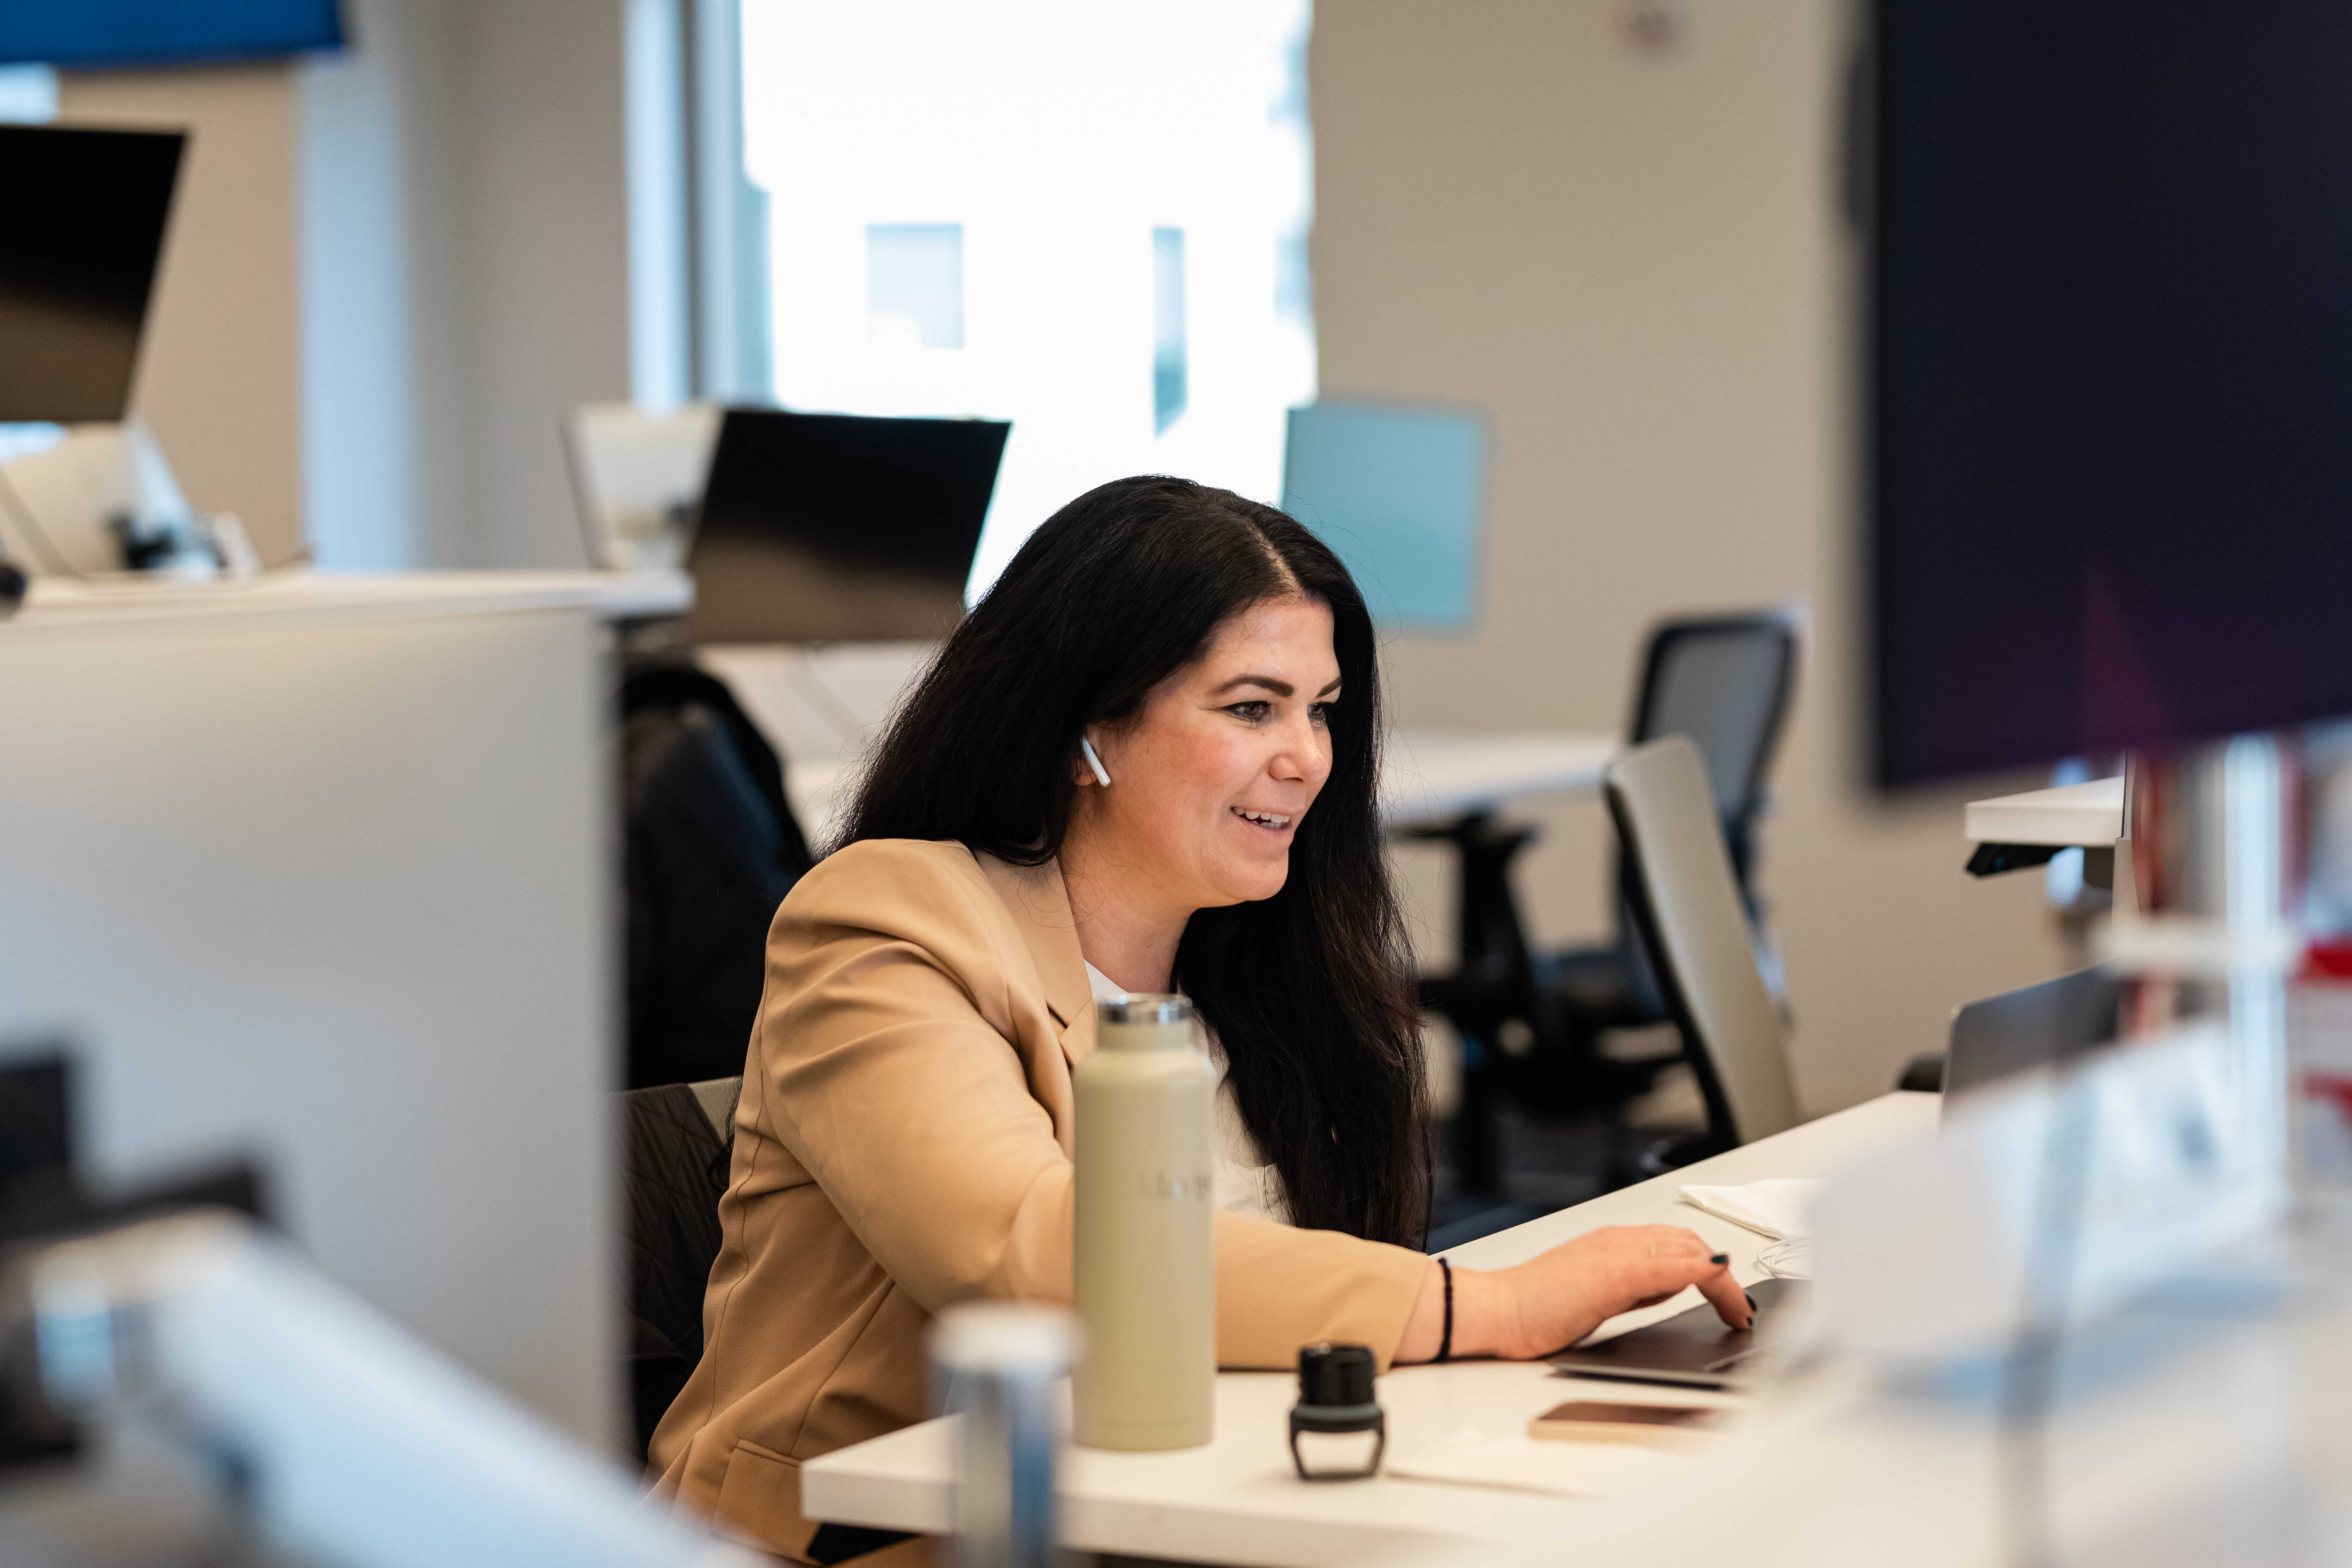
[1445, 1341]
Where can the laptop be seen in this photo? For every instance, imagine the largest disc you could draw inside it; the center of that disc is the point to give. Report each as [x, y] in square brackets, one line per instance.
[1690, 1349]
[2035, 1025]
[824, 526]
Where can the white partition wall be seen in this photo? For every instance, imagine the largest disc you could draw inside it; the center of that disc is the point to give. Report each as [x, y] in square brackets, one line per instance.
[329, 885]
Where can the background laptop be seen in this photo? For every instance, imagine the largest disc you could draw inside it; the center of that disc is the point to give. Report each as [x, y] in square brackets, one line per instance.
[826, 526]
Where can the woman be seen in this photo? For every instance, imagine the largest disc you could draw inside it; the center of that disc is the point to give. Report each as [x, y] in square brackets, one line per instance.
[1147, 760]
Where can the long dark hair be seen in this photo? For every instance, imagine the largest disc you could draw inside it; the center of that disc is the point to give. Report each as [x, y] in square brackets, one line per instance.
[1308, 990]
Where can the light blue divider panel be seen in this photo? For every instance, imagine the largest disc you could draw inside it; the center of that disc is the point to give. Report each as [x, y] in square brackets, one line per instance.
[1396, 492]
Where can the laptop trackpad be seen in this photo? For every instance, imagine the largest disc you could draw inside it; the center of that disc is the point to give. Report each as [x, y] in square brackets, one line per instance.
[1692, 1349]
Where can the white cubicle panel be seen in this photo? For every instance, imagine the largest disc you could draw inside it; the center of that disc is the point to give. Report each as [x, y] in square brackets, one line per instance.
[331, 890]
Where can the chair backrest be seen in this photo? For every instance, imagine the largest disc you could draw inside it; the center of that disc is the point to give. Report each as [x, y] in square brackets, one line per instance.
[719, 1097]
[675, 1141]
[1724, 682]
[637, 477]
[1689, 910]
[2034, 1025]
[710, 849]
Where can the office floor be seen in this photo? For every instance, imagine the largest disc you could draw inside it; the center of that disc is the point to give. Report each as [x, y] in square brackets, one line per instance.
[1550, 1166]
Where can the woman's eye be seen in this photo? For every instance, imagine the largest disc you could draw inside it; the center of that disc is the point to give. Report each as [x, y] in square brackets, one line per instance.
[1319, 713]
[1250, 712]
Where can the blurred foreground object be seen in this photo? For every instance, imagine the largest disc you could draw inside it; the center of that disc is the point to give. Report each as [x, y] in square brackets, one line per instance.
[2102, 472]
[1000, 1367]
[318, 871]
[328, 1435]
[1337, 1430]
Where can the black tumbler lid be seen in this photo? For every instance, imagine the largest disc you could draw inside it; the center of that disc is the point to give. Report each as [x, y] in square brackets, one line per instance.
[1336, 1375]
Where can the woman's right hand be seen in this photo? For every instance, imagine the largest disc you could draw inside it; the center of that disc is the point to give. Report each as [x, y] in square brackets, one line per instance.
[1550, 1302]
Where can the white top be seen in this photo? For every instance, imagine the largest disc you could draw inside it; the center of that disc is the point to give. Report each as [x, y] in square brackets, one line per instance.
[1245, 1184]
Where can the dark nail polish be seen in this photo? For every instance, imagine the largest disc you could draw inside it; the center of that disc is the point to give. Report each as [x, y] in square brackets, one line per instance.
[1720, 1257]
[1752, 1304]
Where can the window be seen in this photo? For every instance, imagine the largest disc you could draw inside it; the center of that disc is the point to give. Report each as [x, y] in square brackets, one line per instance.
[1088, 216]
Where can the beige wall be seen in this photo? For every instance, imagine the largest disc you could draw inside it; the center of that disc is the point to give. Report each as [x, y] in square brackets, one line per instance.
[219, 371]
[466, 244]
[1631, 260]
[388, 273]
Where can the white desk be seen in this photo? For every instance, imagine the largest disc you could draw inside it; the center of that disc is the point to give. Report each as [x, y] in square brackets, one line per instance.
[1237, 1499]
[1433, 775]
[349, 596]
[2079, 813]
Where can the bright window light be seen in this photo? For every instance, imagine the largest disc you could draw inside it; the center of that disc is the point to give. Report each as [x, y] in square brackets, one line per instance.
[914, 282]
[1086, 216]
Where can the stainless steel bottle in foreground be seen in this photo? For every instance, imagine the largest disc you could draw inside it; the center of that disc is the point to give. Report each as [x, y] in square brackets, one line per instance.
[1146, 1262]
[999, 1366]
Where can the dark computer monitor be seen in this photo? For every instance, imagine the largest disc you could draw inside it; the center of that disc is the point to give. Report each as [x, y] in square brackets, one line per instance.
[828, 527]
[35, 1116]
[2110, 374]
[82, 215]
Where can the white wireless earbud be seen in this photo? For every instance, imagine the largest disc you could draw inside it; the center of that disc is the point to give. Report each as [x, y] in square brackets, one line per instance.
[1093, 762]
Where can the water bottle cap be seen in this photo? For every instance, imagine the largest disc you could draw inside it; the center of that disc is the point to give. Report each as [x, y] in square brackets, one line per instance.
[1004, 1338]
[1145, 1007]
[1336, 1375]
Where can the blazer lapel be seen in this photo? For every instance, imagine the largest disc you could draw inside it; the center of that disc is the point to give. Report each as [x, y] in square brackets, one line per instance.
[1040, 905]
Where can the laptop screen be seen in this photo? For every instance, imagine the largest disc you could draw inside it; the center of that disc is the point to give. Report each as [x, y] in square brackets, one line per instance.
[86, 215]
[825, 527]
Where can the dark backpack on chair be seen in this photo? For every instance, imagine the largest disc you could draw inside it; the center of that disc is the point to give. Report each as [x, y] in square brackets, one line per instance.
[712, 849]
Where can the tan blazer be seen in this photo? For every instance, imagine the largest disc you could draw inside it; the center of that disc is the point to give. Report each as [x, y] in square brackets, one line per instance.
[904, 1143]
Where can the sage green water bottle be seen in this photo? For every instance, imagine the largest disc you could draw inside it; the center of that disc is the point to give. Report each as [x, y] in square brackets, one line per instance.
[1146, 1266]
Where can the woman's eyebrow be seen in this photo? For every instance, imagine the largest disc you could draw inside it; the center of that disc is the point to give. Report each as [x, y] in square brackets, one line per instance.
[1279, 687]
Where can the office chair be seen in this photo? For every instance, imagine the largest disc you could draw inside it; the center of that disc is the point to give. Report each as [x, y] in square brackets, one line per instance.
[711, 849]
[1724, 682]
[1531, 1023]
[1684, 899]
[676, 1140]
